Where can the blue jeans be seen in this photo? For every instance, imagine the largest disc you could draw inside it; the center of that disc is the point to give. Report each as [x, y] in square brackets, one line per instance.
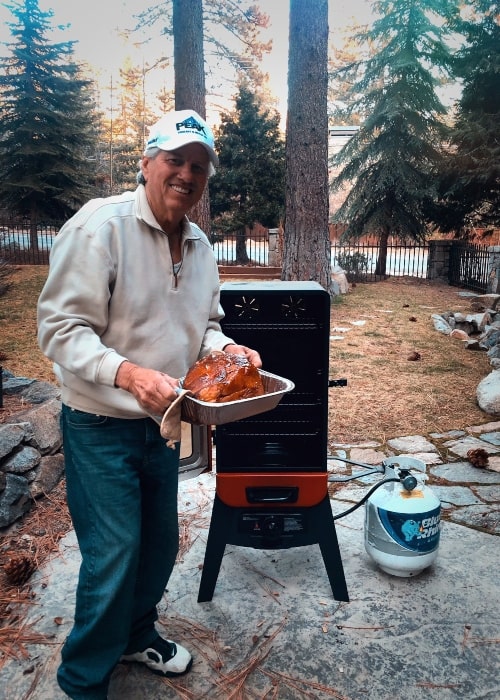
[121, 481]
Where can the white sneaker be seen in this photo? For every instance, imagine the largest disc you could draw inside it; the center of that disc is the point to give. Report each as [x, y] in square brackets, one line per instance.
[163, 657]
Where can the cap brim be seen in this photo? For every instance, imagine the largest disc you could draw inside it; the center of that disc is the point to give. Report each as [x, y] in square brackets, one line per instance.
[174, 143]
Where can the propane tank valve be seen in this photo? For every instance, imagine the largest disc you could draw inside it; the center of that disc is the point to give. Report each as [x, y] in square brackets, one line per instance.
[407, 479]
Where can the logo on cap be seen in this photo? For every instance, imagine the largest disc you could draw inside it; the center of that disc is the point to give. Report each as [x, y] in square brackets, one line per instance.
[190, 124]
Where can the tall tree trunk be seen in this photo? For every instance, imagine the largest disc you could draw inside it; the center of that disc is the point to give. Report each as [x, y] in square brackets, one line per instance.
[241, 247]
[189, 69]
[306, 241]
[381, 266]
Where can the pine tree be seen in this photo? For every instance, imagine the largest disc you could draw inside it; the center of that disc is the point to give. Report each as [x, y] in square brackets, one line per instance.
[248, 187]
[470, 182]
[48, 134]
[392, 162]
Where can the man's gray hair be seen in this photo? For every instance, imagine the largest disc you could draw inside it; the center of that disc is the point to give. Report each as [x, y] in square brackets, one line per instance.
[150, 153]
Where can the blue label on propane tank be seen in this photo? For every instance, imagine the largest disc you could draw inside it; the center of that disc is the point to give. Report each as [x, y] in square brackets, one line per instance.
[416, 531]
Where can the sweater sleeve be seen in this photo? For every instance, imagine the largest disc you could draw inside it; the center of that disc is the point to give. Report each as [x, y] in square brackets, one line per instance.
[73, 307]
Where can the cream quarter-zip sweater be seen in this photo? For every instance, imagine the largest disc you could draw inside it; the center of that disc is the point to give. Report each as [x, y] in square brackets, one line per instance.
[112, 295]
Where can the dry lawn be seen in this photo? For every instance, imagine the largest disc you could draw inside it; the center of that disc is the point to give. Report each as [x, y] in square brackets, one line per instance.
[389, 395]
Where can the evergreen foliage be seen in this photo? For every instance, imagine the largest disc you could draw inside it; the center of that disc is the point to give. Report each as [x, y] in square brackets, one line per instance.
[393, 160]
[47, 133]
[470, 183]
[248, 187]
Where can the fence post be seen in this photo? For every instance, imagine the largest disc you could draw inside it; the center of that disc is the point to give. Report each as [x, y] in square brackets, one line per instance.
[438, 262]
[494, 269]
[274, 254]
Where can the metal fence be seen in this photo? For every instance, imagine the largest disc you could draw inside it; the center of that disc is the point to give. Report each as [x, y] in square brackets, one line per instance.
[360, 260]
[469, 266]
[21, 246]
[256, 248]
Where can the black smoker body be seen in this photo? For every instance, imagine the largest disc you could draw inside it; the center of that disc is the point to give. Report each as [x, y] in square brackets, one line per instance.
[271, 483]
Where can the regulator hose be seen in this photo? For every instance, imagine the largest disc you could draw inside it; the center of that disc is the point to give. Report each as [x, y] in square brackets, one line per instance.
[366, 497]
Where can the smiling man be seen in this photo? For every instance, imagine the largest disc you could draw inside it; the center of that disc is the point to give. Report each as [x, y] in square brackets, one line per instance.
[130, 303]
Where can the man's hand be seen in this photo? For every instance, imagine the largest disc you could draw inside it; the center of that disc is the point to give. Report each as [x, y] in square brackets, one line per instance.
[251, 355]
[153, 390]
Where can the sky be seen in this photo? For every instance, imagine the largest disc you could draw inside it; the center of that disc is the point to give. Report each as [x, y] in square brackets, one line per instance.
[98, 27]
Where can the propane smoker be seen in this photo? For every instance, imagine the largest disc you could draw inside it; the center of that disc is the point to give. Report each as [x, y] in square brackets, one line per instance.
[271, 469]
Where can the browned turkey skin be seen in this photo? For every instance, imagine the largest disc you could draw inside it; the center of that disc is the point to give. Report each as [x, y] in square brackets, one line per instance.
[221, 377]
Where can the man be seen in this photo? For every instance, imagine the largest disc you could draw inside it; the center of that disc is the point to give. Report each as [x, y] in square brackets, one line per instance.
[130, 303]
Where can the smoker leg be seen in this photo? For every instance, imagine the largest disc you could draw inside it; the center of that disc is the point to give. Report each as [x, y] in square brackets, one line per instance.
[324, 527]
[216, 544]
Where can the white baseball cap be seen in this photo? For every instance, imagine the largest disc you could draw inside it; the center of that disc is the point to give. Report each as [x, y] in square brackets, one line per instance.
[177, 129]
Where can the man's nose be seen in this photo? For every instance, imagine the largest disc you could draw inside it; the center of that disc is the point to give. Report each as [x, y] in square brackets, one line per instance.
[186, 171]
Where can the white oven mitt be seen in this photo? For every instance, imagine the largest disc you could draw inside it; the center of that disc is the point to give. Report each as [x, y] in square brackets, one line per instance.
[170, 427]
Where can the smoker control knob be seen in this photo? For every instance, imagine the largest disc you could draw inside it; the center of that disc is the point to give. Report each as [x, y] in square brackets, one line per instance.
[272, 526]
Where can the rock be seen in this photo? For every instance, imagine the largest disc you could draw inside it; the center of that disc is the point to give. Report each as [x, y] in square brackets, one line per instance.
[38, 392]
[473, 344]
[10, 437]
[31, 461]
[16, 385]
[48, 475]
[479, 321]
[22, 461]
[440, 324]
[490, 338]
[479, 517]
[340, 279]
[462, 446]
[488, 393]
[457, 333]
[15, 500]
[44, 420]
[412, 444]
[486, 301]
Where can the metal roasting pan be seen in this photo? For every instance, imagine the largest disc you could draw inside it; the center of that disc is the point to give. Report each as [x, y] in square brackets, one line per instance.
[204, 413]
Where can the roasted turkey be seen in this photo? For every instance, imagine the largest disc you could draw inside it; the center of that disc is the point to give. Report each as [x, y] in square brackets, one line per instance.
[221, 377]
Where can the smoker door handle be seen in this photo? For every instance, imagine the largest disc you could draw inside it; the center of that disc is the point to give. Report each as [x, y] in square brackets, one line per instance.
[272, 494]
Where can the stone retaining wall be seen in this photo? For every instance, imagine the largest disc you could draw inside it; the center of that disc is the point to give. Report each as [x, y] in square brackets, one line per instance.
[31, 461]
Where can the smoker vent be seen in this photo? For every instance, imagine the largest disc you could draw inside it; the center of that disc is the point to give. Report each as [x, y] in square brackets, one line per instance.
[270, 309]
[246, 308]
[294, 308]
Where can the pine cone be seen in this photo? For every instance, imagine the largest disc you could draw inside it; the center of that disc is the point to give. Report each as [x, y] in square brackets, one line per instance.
[19, 569]
[478, 458]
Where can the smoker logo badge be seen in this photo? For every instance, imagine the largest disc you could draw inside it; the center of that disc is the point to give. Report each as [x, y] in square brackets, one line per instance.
[420, 532]
[190, 124]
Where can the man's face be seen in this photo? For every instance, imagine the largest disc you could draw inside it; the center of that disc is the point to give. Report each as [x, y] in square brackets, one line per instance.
[175, 180]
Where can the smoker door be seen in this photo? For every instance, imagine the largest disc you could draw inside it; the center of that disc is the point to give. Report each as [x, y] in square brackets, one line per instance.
[196, 451]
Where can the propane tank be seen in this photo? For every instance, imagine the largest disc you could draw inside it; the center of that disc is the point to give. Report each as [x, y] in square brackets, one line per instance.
[402, 519]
